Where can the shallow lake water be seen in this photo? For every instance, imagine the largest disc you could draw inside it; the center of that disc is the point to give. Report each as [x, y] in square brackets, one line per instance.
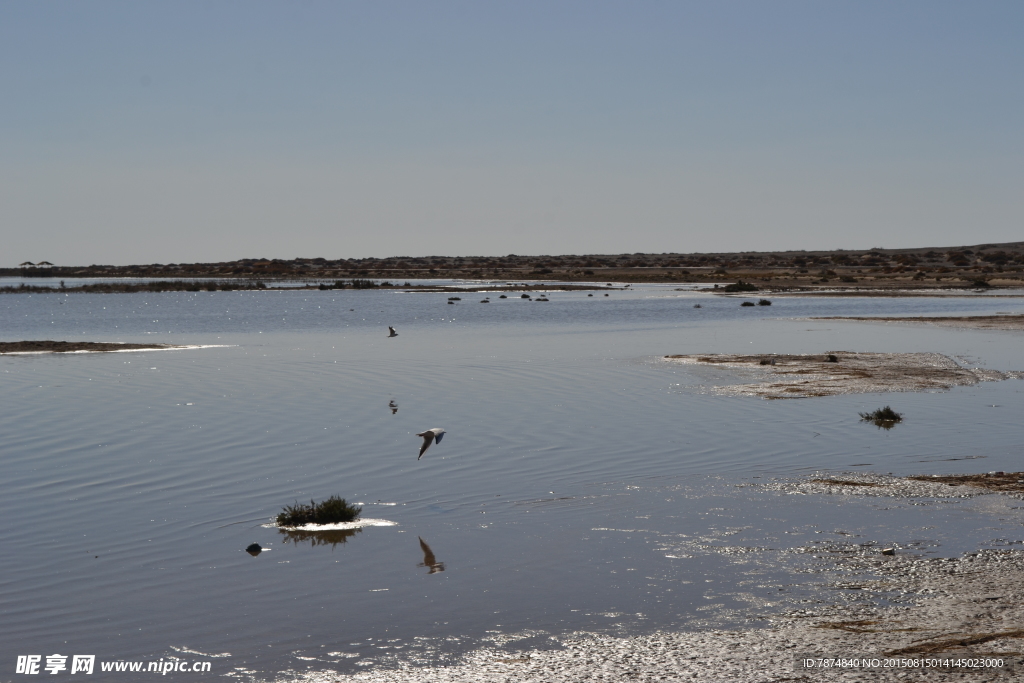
[583, 484]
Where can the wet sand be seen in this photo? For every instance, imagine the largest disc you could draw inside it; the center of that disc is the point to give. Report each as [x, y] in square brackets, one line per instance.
[905, 608]
[48, 346]
[972, 322]
[852, 372]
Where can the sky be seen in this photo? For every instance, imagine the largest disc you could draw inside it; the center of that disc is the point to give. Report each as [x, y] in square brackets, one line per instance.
[177, 132]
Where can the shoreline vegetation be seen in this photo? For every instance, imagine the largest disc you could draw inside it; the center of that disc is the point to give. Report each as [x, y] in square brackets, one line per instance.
[876, 271]
[260, 285]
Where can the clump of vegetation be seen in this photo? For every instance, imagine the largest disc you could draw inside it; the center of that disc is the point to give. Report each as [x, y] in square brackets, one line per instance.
[831, 358]
[740, 286]
[764, 302]
[885, 418]
[330, 511]
[980, 284]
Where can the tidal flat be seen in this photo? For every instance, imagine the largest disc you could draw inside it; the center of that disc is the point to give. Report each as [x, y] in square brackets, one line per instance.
[590, 500]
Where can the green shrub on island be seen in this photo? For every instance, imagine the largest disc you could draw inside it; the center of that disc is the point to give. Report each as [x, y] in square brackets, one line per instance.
[740, 286]
[885, 417]
[331, 511]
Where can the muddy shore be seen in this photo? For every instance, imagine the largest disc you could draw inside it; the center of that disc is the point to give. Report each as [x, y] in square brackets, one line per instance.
[841, 372]
[924, 618]
[973, 322]
[48, 346]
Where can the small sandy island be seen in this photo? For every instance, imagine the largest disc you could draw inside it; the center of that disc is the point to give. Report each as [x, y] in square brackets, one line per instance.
[973, 322]
[842, 372]
[78, 347]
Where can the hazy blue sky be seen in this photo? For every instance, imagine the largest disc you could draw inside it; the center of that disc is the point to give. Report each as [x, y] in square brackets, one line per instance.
[139, 132]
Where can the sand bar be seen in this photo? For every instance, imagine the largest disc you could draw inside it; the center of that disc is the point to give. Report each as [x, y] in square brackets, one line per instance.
[852, 372]
[973, 322]
[48, 346]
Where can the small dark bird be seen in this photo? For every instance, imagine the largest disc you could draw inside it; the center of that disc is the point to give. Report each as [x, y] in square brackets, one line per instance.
[393, 406]
[391, 332]
[430, 436]
[429, 560]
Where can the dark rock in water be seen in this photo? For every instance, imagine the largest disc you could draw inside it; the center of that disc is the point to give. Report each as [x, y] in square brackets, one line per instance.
[832, 358]
[455, 298]
[254, 549]
[697, 306]
[590, 295]
[485, 301]
[764, 302]
[502, 297]
[747, 303]
[524, 296]
[452, 303]
[606, 295]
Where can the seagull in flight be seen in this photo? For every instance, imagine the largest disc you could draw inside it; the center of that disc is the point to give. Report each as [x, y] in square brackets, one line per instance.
[392, 332]
[429, 560]
[430, 436]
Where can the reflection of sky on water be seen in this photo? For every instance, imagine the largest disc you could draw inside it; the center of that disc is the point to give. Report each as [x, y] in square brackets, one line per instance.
[582, 477]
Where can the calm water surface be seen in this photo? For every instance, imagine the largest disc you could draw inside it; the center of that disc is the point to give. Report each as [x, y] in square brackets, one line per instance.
[583, 484]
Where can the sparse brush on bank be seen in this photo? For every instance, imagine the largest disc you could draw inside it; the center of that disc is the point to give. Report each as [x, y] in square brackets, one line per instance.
[883, 417]
[740, 286]
[330, 511]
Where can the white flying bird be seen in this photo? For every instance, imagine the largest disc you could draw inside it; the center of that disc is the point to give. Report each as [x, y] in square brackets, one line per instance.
[430, 436]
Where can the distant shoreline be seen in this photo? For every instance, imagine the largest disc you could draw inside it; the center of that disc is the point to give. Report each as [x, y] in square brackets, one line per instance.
[878, 269]
[259, 285]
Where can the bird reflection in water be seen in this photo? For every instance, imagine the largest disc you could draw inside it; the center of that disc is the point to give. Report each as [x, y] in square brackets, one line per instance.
[429, 560]
[331, 538]
[393, 406]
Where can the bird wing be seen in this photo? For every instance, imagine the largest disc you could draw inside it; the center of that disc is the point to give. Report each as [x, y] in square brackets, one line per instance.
[428, 437]
[428, 554]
